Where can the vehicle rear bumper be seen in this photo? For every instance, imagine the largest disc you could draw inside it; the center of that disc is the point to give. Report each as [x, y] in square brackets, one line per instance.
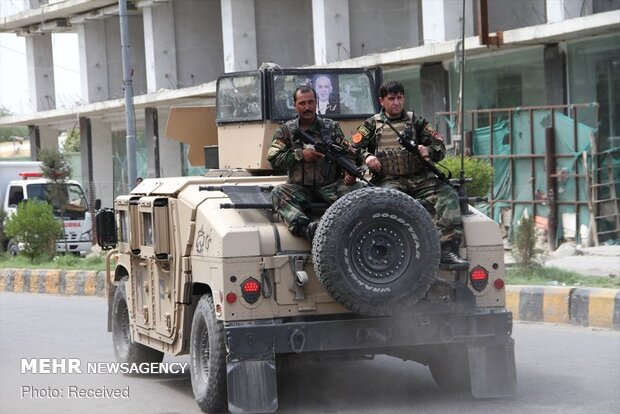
[264, 338]
[253, 347]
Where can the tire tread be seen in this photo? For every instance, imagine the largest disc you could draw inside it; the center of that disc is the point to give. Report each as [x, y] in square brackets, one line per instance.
[332, 227]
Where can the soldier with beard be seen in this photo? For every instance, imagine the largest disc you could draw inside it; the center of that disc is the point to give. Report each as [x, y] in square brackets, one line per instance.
[311, 178]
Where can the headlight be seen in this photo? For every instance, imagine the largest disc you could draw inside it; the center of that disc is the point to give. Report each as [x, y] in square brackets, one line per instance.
[85, 236]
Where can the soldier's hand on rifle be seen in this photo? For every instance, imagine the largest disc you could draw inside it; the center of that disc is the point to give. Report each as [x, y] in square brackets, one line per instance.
[311, 155]
[373, 163]
[424, 152]
[349, 179]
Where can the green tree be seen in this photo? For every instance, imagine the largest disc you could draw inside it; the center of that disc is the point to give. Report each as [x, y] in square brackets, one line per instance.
[2, 233]
[34, 224]
[57, 169]
[480, 171]
[72, 142]
[524, 242]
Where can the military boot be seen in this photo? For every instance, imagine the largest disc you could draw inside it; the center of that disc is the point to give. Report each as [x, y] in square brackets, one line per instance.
[450, 259]
[309, 230]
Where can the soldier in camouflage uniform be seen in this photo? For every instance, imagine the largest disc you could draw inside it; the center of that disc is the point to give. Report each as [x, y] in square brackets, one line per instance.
[377, 146]
[311, 178]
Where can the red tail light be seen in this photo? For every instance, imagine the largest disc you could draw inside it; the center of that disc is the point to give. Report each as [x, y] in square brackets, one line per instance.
[231, 297]
[479, 277]
[498, 283]
[250, 290]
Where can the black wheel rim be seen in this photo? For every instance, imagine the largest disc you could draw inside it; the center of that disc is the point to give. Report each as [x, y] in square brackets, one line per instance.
[381, 251]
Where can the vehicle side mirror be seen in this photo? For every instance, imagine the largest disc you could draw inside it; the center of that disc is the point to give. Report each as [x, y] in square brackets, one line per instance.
[97, 204]
[106, 229]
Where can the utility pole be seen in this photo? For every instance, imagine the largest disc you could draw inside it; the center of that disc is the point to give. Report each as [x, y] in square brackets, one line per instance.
[461, 114]
[461, 110]
[130, 117]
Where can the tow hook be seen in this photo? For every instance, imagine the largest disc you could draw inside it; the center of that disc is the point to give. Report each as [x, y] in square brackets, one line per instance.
[446, 333]
[297, 341]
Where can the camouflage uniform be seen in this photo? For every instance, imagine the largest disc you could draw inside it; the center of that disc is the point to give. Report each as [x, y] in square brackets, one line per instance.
[406, 171]
[308, 182]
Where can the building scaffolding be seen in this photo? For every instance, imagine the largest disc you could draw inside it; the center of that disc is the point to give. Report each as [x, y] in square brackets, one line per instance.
[547, 164]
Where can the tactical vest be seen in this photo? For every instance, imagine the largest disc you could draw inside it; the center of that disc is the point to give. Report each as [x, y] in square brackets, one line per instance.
[311, 173]
[394, 159]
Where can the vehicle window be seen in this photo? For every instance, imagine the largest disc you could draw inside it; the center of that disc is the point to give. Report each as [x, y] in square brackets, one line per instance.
[338, 94]
[124, 231]
[355, 94]
[284, 86]
[147, 227]
[74, 199]
[16, 196]
[239, 98]
[38, 192]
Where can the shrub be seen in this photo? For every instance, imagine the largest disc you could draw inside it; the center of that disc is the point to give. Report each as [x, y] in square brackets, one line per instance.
[2, 235]
[479, 170]
[34, 224]
[524, 244]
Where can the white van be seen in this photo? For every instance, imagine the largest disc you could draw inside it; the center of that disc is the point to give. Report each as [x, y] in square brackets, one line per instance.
[77, 217]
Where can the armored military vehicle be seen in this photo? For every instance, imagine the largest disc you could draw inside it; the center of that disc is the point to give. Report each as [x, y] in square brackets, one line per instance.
[203, 265]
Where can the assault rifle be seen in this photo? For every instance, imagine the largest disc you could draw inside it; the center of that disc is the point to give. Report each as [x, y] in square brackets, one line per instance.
[409, 143]
[334, 154]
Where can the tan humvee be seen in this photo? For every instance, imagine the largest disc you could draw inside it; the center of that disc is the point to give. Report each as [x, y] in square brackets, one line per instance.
[202, 265]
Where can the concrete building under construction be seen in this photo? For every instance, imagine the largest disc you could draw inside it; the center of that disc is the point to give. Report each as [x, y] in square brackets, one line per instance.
[561, 56]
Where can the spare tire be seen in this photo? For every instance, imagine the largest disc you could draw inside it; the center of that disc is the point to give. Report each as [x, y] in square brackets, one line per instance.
[376, 251]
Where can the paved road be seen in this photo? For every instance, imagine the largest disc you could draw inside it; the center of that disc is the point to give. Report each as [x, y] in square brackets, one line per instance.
[561, 369]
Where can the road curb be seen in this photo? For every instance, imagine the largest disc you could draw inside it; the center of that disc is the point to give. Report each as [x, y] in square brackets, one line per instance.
[594, 307]
[61, 282]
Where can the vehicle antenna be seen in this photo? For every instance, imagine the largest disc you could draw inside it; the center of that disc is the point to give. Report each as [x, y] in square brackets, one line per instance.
[461, 116]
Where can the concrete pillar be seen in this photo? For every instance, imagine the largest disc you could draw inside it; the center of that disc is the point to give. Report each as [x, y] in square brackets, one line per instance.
[555, 75]
[441, 20]
[137, 53]
[35, 141]
[559, 10]
[239, 35]
[86, 154]
[434, 89]
[48, 137]
[373, 25]
[330, 21]
[114, 55]
[151, 132]
[40, 64]
[41, 137]
[159, 47]
[102, 164]
[93, 61]
[198, 61]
